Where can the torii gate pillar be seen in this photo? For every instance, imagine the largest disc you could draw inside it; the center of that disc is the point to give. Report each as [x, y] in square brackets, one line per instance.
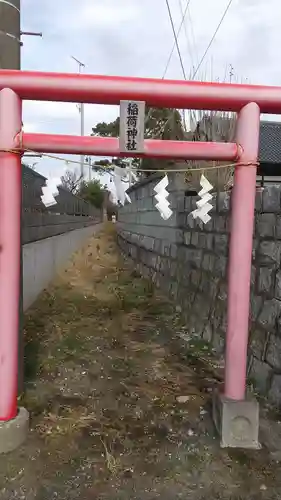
[13, 420]
[235, 413]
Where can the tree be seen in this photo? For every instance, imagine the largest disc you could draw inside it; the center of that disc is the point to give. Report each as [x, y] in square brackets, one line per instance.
[164, 123]
[215, 126]
[70, 181]
[93, 192]
[107, 129]
[100, 166]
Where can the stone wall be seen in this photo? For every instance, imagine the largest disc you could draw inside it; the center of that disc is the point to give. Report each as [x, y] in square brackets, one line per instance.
[38, 226]
[189, 262]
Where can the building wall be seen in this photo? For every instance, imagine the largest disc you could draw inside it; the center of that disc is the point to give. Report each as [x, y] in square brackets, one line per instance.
[189, 262]
[42, 259]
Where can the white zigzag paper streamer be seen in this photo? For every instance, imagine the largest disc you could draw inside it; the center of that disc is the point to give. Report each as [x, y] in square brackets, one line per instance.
[203, 205]
[119, 186]
[50, 191]
[163, 206]
[130, 172]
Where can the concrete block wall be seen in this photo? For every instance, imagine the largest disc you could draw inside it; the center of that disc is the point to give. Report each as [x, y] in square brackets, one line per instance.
[38, 226]
[188, 261]
[42, 259]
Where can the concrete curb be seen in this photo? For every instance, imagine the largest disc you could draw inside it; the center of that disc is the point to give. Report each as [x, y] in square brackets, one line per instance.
[14, 432]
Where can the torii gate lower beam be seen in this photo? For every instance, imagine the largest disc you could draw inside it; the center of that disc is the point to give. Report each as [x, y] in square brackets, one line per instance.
[238, 418]
[109, 146]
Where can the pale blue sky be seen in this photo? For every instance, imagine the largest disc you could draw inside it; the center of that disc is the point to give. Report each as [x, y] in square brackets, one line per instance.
[133, 37]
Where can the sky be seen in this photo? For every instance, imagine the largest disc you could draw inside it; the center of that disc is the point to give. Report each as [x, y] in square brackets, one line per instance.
[134, 38]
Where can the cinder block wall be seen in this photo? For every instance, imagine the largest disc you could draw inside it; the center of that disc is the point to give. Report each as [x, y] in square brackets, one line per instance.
[188, 261]
[42, 259]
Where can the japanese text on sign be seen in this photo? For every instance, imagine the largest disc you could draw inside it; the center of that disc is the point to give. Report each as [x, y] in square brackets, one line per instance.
[132, 126]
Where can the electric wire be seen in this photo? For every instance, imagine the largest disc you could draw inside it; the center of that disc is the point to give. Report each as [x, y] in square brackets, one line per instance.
[212, 39]
[183, 14]
[192, 34]
[176, 44]
[176, 38]
[168, 63]
[209, 44]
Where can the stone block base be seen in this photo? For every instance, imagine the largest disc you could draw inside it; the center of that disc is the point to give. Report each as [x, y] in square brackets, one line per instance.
[237, 422]
[14, 432]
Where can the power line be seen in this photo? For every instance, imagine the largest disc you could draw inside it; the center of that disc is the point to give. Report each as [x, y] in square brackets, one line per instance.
[177, 45]
[212, 39]
[170, 56]
[176, 38]
[208, 46]
[183, 14]
[192, 33]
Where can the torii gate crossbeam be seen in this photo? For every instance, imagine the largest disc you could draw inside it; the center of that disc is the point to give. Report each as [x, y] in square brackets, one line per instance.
[247, 100]
[96, 89]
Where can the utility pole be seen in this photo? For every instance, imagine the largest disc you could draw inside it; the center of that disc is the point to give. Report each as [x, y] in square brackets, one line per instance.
[10, 58]
[10, 34]
[88, 160]
[82, 121]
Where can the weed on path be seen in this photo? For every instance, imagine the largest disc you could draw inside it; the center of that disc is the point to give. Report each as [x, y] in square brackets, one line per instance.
[119, 410]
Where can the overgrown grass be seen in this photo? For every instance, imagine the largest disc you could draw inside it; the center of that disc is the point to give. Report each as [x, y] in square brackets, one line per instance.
[104, 369]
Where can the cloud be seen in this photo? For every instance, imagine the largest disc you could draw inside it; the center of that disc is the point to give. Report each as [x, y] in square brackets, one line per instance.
[50, 109]
[129, 37]
[64, 118]
[106, 15]
[30, 128]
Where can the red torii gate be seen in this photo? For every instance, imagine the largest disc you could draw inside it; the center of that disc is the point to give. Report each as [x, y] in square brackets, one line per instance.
[247, 100]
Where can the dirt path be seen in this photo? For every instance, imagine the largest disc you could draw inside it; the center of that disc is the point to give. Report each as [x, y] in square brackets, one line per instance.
[119, 409]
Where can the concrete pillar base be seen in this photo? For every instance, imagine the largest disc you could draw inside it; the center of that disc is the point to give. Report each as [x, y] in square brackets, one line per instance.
[237, 422]
[14, 432]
